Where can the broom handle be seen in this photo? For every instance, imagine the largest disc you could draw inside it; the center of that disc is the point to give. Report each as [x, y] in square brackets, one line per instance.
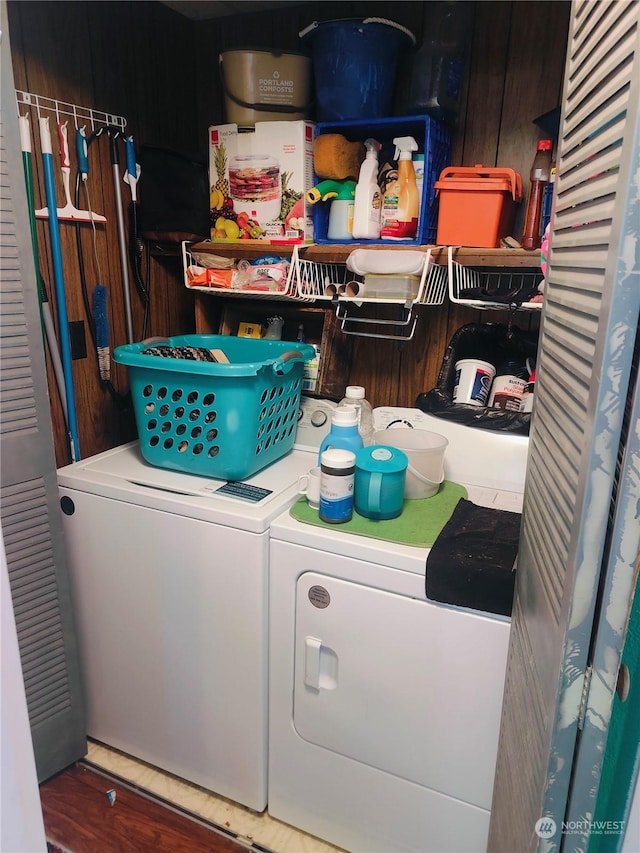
[65, 162]
[45, 308]
[58, 275]
[122, 242]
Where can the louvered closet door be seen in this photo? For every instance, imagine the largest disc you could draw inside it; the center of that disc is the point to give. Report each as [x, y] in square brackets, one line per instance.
[31, 525]
[589, 327]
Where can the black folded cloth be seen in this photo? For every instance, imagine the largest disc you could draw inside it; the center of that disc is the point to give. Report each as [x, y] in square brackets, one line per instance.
[516, 296]
[472, 562]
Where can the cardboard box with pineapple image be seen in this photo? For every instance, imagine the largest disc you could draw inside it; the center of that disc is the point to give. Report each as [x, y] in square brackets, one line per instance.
[258, 182]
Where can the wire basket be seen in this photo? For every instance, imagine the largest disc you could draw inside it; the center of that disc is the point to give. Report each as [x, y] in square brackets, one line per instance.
[321, 280]
[261, 289]
[493, 288]
[217, 420]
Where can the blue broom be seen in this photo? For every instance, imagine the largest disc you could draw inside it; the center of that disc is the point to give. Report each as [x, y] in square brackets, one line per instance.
[102, 330]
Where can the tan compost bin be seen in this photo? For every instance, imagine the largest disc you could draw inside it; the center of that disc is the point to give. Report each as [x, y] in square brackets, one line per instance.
[263, 86]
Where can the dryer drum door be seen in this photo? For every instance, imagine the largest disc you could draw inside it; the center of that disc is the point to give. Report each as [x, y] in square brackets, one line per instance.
[403, 685]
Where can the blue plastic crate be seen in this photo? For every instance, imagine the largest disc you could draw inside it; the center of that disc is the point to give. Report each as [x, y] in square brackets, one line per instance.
[223, 421]
[434, 141]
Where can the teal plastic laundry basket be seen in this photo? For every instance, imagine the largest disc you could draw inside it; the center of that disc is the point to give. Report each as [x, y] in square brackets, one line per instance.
[223, 421]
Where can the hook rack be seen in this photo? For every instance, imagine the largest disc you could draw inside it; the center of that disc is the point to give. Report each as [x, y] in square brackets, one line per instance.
[79, 114]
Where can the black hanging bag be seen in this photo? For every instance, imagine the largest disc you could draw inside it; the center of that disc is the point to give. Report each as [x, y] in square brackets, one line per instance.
[492, 342]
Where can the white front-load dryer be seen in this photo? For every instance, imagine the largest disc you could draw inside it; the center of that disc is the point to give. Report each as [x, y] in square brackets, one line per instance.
[384, 707]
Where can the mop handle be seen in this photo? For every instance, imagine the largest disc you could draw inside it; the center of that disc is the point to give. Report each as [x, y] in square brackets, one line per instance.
[58, 275]
[25, 145]
[115, 167]
[65, 162]
[82, 153]
[45, 309]
[131, 156]
[131, 176]
[25, 134]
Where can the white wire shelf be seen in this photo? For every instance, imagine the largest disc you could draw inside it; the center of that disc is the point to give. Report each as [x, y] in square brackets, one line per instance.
[474, 287]
[271, 290]
[333, 282]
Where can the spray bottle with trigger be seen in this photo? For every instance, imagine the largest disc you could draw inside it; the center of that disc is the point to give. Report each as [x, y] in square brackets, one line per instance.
[368, 200]
[401, 204]
[341, 195]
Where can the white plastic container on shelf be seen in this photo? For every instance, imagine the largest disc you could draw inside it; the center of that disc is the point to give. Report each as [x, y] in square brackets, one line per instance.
[387, 286]
[354, 396]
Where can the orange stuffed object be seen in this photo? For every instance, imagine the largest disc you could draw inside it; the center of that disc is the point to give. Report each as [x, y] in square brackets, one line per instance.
[335, 158]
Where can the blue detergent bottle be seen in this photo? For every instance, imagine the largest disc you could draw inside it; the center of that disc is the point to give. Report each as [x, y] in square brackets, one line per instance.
[344, 433]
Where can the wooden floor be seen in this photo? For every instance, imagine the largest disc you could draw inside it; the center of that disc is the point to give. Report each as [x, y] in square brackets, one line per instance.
[79, 817]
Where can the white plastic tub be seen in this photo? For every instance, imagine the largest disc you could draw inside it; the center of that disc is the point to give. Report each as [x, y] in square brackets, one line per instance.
[426, 451]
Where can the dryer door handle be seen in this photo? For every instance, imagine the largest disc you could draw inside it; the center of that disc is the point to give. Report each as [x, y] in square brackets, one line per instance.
[312, 648]
[320, 665]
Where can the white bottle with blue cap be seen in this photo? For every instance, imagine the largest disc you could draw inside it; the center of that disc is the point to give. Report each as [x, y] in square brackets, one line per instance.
[344, 433]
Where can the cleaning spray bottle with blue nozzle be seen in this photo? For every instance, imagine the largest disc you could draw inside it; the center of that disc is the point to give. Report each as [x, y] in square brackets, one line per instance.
[368, 200]
[401, 204]
[344, 433]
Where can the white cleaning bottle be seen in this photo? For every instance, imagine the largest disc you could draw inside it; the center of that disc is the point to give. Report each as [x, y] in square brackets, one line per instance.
[368, 199]
[401, 203]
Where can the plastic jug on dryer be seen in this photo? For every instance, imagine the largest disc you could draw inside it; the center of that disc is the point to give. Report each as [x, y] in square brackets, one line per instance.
[344, 434]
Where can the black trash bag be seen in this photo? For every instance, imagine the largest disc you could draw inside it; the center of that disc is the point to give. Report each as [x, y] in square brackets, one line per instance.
[492, 342]
[174, 197]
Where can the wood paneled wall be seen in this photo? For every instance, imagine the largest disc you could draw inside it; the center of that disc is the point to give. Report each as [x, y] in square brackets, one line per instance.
[159, 70]
[130, 59]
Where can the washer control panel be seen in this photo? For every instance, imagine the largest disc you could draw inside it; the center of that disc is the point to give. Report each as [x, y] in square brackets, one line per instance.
[314, 422]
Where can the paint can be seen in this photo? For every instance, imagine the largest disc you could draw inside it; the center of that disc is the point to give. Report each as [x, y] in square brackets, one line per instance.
[508, 386]
[473, 381]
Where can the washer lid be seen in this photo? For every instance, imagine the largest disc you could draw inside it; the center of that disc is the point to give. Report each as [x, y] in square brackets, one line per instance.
[122, 474]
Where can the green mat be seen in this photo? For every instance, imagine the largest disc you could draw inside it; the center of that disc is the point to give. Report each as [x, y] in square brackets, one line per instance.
[419, 524]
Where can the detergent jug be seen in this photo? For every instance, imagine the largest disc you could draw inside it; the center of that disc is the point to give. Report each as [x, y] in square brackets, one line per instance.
[344, 433]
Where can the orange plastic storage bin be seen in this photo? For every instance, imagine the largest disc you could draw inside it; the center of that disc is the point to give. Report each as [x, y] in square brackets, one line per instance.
[477, 205]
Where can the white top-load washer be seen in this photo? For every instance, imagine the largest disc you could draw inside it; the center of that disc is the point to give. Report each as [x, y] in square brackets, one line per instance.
[169, 578]
[384, 707]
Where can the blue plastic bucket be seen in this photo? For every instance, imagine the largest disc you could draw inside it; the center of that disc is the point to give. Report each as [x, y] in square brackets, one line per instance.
[354, 63]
